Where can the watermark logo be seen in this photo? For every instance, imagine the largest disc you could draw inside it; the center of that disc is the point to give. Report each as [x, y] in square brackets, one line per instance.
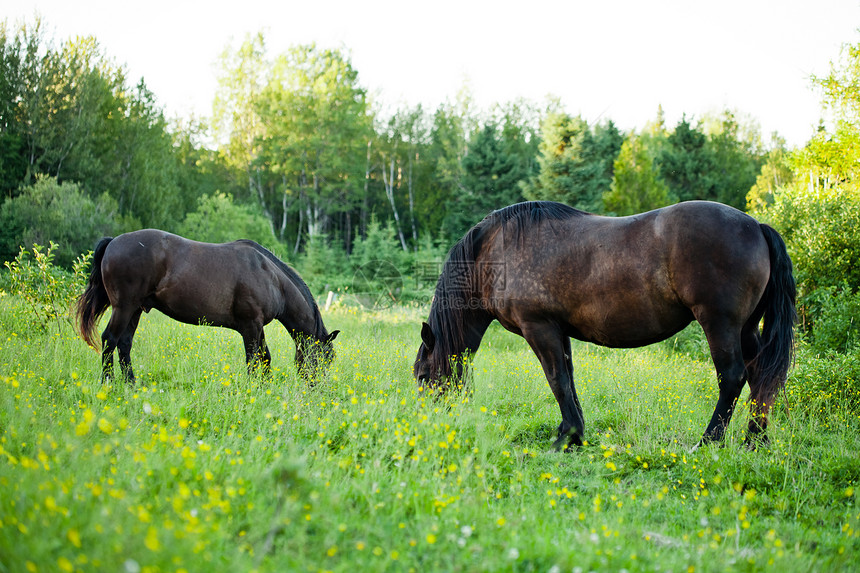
[377, 285]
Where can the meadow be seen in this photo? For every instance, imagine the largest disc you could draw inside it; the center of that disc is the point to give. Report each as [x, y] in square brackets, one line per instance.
[201, 467]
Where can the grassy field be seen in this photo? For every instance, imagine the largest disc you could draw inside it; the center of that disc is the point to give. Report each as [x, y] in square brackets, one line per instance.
[200, 467]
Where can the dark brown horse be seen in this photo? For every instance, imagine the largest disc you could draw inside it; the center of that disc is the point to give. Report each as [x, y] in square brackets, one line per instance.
[238, 285]
[548, 272]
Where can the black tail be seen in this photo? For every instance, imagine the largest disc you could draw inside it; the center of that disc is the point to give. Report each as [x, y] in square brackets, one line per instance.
[94, 302]
[777, 350]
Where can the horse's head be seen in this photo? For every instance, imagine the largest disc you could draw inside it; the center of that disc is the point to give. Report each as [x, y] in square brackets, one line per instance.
[314, 356]
[433, 368]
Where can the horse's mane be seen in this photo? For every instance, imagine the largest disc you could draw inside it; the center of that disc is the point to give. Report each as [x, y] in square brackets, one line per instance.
[291, 273]
[454, 295]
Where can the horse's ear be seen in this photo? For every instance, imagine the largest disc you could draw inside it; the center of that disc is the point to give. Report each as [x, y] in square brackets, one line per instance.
[427, 336]
[330, 338]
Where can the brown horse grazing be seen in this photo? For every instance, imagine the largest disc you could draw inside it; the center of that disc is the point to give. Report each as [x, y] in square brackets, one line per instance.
[548, 272]
[238, 285]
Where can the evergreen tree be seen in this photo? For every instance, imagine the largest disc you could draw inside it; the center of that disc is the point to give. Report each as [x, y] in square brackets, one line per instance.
[575, 163]
[736, 158]
[491, 180]
[636, 185]
[686, 162]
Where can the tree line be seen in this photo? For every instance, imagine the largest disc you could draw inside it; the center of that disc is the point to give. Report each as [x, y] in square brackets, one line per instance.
[303, 154]
[298, 156]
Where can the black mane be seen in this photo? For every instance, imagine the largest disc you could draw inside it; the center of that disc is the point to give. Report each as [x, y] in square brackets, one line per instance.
[454, 294]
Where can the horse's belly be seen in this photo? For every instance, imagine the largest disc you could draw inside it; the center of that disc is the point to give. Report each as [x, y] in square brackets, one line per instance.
[195, 315]
[627, 327]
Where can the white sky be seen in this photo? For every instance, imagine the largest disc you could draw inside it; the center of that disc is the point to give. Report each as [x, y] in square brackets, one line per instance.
[616, 59]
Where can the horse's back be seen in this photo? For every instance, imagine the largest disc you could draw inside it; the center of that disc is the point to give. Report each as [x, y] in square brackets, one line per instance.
[191, 281]
[630, 281]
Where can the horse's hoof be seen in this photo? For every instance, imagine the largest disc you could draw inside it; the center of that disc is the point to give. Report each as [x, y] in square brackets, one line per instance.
[567, 441]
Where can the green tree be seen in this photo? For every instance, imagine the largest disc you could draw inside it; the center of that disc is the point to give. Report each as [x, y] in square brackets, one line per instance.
[736, 158]
[575, 162]
[47, 212]
[396, 150]
[146, 181]
[317, 128]
[818, 207]
[636, 184]
[492, 177]
[686, 162]
[448, 145]
[13, 162]
[775, 174]
[236, 121]
[841, 87]
[75, 118]
[200, 170]
[218, 219]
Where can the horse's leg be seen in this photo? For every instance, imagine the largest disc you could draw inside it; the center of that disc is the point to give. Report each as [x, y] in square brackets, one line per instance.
[568, 355]
[759, 404]
[124, 347]
[108, 346]
[119, 320]
[726, 352]
[252, 337]
[264, 355]
[552, 348]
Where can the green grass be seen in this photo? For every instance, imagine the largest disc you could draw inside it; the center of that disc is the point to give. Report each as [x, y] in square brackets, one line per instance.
[200, 467]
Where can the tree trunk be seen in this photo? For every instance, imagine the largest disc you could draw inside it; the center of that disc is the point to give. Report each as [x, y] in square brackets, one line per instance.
[362, 224]
[412, 203]
[298, 231]
[388, 182]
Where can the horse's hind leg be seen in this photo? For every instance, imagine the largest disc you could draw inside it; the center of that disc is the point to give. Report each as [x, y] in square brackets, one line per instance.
[759, 403]
[108, 346]
[120, 318]
[553, 350]
[726, 352]
[124, 348]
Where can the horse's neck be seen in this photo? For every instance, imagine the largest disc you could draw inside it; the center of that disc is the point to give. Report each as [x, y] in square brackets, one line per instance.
[307, 323]
[474, 326]
[475, 330]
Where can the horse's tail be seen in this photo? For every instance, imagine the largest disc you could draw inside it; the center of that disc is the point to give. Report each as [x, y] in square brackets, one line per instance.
[777, 348]
[94, 301]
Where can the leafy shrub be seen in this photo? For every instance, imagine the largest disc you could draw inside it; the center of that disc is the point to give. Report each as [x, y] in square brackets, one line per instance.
[218, 219]
[691, 342]
[817, 223]
[835, 319]
[380, 244]
[824, 385]
[58, 213]
[818, 227]
[47, 290]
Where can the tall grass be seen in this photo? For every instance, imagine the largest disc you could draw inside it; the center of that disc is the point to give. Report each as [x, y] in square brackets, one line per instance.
[200, 467]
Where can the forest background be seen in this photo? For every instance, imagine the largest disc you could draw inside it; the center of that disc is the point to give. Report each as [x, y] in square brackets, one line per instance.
[297, 156]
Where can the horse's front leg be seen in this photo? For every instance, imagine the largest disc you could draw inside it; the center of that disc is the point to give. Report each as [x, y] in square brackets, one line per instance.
[257, 356]
[553, 350]
[264, 357]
